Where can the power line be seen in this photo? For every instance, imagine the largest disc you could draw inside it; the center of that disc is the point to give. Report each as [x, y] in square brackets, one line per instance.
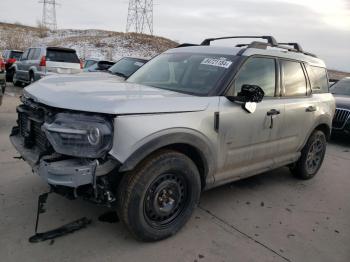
[140, 16]
[49, 14]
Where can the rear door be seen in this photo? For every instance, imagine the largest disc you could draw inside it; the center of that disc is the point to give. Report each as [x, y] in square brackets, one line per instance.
[21, 65]
[249, 141]
[62, 61]
[301, 106]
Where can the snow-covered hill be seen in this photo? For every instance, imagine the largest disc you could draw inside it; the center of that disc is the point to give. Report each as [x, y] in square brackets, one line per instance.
[88, 43]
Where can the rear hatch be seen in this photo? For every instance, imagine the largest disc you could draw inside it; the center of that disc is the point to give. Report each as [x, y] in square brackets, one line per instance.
[62, 61]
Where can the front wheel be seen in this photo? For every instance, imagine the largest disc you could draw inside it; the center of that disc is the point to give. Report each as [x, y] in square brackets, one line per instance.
[159, 196]
[15, 81]
[312, 156]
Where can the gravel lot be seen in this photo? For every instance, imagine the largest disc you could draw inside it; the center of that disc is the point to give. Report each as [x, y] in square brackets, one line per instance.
[271, 217]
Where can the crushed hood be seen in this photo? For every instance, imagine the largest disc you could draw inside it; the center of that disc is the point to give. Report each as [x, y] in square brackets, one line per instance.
[109, 94]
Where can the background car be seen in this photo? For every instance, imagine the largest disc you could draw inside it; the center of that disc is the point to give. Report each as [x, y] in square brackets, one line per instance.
[10, 57]
[2, 78]
[126, 66]
[341, 92]
[37, 62]
[98, 66]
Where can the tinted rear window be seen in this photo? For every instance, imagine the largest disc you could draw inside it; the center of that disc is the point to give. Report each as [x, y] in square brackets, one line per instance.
[57, 55]
[15, 54]
[294, 79]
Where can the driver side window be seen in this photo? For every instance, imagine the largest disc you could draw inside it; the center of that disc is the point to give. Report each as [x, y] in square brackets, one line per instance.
[258, 71]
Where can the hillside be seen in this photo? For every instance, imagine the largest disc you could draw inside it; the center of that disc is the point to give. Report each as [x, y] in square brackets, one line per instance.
[88, 43]
[94, 43]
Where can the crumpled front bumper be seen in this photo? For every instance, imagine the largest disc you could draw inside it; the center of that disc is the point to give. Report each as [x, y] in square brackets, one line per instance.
[58, 171]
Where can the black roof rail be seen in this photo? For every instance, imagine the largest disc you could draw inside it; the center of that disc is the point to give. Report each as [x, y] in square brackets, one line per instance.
[310, 54]
[185, 45]
[296, 46]
[255, 44]
[270, 39]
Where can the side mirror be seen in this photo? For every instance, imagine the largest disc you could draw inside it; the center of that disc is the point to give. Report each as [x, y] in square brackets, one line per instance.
[251, 93]
[249, 96]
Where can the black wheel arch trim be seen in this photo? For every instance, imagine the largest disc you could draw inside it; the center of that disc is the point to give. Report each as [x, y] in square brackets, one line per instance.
[168, 140]
[324, 120]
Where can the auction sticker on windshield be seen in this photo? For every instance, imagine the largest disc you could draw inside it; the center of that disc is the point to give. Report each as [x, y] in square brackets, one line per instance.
[221, 62]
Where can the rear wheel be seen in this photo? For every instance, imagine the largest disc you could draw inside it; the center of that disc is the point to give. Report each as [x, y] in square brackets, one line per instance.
[158, 198]
[312, 156]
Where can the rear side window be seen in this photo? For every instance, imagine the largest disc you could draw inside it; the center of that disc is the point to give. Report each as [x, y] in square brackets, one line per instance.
[31, 54]
[258, 71]
[65, 56]
[294, 80]
[318, 79]
[25, 55]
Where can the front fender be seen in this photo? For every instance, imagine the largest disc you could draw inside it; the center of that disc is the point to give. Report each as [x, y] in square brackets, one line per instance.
[159, 140]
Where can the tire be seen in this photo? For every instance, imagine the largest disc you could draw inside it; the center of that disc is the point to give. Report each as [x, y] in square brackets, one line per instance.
[15, 81]
[31, 78]
[159, 196]
[9, 75]
[312, 156]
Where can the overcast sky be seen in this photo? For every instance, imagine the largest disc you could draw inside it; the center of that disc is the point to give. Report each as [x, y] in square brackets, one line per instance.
[320, 26]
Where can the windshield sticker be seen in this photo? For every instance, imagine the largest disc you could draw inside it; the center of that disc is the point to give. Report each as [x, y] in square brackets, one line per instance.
[221, 62]
[138, 64]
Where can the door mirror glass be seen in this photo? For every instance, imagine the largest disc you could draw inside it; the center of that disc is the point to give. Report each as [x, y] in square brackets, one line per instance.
[249, 93]
[249, 96]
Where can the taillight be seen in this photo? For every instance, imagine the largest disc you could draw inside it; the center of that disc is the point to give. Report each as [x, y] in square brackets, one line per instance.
[11, 60]
[81, 64]
[43, 61]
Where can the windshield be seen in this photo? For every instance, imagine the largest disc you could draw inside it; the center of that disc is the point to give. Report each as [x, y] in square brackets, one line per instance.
[191, 73]
[342, 87]
[126, 66]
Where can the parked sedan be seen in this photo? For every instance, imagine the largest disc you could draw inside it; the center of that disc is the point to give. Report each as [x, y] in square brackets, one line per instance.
[341, 92]
[99, 66]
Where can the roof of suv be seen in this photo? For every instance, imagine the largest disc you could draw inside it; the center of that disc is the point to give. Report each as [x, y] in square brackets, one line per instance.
[254, 48]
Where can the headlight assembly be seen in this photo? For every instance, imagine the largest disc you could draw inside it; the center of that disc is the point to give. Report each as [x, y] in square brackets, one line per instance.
[79, 135]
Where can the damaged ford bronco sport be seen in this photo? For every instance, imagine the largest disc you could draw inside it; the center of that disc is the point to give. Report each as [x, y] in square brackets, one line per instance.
[194, 117]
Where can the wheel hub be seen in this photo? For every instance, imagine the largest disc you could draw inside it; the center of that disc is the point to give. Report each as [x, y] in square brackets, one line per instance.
[165, 199]
[314, 156]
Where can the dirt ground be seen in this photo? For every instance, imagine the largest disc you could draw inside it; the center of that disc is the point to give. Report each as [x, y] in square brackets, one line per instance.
[271, 217]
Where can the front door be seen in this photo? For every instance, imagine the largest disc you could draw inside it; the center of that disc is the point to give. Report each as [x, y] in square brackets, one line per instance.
[249, 142]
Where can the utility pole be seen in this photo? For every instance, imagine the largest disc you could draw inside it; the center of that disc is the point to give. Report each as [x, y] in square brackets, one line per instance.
[49, 14]
[140, 16]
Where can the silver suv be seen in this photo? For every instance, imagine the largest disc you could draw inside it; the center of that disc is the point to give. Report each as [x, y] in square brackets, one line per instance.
[194, 117]
[37, 62]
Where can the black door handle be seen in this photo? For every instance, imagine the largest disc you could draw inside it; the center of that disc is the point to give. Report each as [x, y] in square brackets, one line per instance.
[311, 109]
[273, 112]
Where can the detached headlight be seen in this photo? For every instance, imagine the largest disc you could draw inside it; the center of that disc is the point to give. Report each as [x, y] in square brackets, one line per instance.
[79, 135]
